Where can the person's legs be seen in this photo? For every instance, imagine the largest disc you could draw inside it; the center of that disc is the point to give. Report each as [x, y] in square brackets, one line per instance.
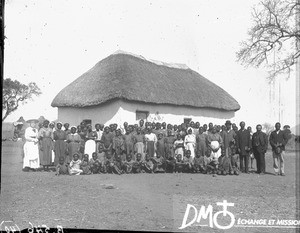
[246, 158]
[242, 168]
[275, 163]
[281, 159]
[262, 163]
[257, 158]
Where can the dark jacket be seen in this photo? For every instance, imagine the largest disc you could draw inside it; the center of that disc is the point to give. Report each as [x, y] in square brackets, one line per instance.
[243, 140]
[260, 142]
[279, 137]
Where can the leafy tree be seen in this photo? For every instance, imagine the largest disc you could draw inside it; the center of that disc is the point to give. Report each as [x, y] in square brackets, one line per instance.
[15, 93]
[274, 34]
[268, 128]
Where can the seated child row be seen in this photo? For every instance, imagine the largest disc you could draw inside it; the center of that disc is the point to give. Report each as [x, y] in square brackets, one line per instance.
[115, 165]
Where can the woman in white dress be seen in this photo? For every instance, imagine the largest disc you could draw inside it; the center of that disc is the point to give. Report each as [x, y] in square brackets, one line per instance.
[31, 159]
[190, 142]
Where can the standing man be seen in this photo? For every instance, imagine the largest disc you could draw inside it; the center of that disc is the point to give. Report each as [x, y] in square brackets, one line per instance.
[229, 141]
[244, 146]
[278, 140]
[260, 146]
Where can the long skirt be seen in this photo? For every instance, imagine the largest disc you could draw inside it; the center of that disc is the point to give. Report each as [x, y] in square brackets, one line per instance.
[31, 155]
[75, 171]
[90, 147]
[73, 148]
[169, 150]
[128, 148]
[202, 148]
[46, 153]
[150, 148]
[139, 148]
[60, 150]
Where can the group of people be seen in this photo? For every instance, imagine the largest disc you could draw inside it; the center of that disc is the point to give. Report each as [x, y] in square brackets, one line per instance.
[151, 148]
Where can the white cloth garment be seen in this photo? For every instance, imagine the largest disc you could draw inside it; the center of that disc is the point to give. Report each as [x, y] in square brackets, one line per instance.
[31, 149]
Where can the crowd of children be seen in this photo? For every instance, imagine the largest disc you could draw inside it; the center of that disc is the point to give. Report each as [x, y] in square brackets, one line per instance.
[147, 148]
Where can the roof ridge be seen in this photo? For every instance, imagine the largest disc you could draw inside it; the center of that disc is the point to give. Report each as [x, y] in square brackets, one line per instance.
[157, 62]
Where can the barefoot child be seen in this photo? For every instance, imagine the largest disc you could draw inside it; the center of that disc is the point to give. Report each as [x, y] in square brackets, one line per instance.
[148, 165]
[95, 164]
[159, 164]
[137, 165]
[61, 167]
[179, 166]
[170, 163]
[198, 163]
[84, 166]
[127, 164]
[74, 167]
[188, 161]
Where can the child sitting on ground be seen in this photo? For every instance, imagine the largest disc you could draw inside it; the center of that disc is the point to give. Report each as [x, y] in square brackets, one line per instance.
[84, 166]
[159, 164]
[188, 162]
[212, 163]
[137, 165]
[74, 167]
[148, 165]
[127, 164]
[117, 165]
[95, 164]
[198, 163]
[179, 166]
[170, 163]
[61, 167]
[224, 164]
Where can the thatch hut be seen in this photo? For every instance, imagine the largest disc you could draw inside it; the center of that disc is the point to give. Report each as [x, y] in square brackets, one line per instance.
[125, 87]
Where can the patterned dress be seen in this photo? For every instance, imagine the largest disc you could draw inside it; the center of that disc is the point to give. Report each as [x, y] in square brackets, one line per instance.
[73, 146]
[60, 145]
[46, 146]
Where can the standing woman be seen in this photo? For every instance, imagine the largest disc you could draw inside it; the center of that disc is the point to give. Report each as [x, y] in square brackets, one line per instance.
[52, 126]
[31, 149]
[201, 142]
[190, 142]
[46, 145]
[60, 137]
[90, 144]
[73, 144]
[151, 141]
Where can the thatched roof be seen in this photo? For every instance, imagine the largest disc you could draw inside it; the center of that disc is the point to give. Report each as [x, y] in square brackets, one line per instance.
[132, 78]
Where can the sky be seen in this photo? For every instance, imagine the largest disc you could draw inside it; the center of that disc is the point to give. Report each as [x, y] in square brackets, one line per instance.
[53, 42]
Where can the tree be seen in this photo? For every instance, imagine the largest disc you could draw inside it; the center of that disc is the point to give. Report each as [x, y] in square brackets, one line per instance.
[268, 128]
[15, 93]
[274, 39]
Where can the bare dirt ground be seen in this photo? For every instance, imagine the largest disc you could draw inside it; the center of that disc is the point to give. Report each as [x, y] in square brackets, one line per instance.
[155, 202]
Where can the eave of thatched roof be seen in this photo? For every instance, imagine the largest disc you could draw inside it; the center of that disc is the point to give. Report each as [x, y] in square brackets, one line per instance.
[124, 76]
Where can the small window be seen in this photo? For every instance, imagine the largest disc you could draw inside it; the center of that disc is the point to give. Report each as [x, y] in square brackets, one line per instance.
[87, 121]
[187, 120]
[141, 115]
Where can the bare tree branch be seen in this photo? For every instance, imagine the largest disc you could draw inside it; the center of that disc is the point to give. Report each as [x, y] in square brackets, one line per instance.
[273, 31]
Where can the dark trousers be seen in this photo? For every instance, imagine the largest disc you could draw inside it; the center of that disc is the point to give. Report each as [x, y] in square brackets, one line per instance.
[260, 161]
[244, 162]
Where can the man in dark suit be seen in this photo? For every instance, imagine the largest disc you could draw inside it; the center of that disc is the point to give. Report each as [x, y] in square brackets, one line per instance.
[244, 146]
[278, 140]
[260, 146]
